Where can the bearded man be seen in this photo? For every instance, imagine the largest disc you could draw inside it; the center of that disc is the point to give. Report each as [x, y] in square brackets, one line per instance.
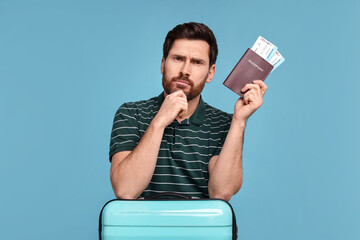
[176, 142]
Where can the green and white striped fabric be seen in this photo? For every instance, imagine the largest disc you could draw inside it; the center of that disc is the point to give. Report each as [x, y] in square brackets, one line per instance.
[186, 147]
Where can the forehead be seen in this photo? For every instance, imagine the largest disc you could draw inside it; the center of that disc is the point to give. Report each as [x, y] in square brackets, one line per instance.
[193, 48]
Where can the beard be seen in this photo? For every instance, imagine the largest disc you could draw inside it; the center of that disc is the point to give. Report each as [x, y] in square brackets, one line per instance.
[171, 86]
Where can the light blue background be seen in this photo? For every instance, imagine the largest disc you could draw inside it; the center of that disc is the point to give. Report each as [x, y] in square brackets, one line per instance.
[66, 66]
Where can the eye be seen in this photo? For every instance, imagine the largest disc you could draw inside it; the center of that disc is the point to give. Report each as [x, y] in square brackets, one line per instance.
[177, 58]
[198, 62]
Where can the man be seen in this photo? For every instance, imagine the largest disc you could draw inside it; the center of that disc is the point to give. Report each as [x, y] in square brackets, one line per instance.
[176, 142]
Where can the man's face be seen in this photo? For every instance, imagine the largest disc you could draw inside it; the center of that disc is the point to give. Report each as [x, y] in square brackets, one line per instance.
[186, 67]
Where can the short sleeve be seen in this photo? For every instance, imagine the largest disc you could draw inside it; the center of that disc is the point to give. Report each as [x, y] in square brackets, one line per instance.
[125, 134]
[224, 132]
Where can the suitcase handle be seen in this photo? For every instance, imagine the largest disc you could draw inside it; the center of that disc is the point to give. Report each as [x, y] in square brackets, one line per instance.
[167, 194]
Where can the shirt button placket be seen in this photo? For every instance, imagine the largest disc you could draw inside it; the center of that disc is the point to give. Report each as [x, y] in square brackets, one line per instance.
[176, 137]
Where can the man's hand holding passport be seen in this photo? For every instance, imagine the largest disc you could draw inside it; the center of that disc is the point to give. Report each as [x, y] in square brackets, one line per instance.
[255, 64]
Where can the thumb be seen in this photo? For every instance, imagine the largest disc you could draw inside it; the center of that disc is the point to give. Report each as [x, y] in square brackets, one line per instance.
[181, 113]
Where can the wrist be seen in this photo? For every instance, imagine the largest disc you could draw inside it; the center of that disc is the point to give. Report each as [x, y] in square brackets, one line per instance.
[240, 122]
[157, 125]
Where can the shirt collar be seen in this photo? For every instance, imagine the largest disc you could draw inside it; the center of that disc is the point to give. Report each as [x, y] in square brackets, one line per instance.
[196, 118]
[160, 100]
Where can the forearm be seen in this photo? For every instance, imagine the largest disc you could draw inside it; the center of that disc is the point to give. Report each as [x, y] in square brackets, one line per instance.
[226, 175]
[132, 174]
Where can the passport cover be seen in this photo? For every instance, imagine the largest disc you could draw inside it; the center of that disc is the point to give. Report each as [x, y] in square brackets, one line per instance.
[249, 68]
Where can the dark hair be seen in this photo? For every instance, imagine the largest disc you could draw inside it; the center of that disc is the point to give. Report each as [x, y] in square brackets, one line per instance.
[192, 31]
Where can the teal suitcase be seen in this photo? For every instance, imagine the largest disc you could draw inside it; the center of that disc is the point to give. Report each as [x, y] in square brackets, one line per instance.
[156, 218]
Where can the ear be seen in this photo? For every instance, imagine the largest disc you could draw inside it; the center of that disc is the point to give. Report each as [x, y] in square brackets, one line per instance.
[162, 65]
[211, 73]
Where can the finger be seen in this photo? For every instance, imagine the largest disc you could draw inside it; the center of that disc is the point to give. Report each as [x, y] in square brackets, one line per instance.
[182, 101]
[258, 90]
[253, 87]
[254, 92]
[181, 114]
[177, 96]
[179, 93]
[247, 100]
[250, 86]
[253, 99]
[183, 95]
[263, 86]
[183, 110]
[247, 97]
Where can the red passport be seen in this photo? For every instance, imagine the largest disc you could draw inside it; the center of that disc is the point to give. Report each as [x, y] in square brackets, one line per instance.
[249, 68]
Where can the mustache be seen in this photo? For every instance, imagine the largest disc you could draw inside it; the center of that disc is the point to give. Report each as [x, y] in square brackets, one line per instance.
[183, 78]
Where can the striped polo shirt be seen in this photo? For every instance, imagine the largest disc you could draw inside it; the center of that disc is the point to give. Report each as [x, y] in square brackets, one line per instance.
[186, 147]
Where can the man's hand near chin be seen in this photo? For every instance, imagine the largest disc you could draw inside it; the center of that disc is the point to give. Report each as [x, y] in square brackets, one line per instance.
[175, 106]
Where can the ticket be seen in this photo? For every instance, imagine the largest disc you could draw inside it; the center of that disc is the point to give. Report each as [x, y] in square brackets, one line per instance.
[276, 60]
[264, 48]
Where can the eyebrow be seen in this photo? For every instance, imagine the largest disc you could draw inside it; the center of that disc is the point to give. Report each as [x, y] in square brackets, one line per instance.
[192, 59]
[198, 59]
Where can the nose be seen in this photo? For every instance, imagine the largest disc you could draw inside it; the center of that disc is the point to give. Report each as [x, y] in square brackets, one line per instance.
[186, 68]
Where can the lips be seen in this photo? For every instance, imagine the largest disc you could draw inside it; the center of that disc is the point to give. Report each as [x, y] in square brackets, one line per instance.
[182, 83]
